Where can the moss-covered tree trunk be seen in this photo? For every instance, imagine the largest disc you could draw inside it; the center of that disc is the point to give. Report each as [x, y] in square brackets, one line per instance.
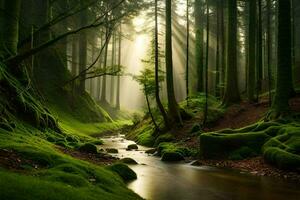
[199, 18]
[10, 27]
[251, 51]
[173, 109]
[232, 94]
[284, 66]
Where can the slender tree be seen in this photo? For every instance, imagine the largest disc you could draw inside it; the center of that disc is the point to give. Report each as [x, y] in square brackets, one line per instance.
[199, 43]
[187, 50]
[232, 94]
[218, 7]
[259, 51]
[118, 106]
[206, 63]
[251, 51]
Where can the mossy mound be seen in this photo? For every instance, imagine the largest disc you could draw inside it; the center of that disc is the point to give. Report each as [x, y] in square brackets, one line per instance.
[132, 147]
[88, 148]
[172, 156]
[172, 149]
[128, 161]
[278, 142]
[112, 150]
[123, 171]
[168, 137]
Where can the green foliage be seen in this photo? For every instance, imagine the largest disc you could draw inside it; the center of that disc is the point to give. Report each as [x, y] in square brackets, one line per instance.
[123, 171]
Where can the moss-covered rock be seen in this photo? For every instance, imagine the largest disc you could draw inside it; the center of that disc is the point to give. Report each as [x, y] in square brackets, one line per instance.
[150, 151]
[132, 147]
[88, 148]
[128, 161]
[242, 153]
[168, 137]
[172, 156]
[123, 171]
[112, 150]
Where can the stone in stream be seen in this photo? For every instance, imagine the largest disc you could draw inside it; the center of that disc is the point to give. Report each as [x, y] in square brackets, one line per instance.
[150, 151]
[112, 150]
[132, 147]
[172, 156]
[128, 161]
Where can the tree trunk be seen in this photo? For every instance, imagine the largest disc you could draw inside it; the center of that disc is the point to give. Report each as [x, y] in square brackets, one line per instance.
[10, 27]
[259, 47]
[269, 50]
[173, 110]
[231, 86]
[206, 64]
[118, 106]
[112, 79]
[103, 91]
[82, 52]
[150, 112]
[187, 51]
[284, 67]
[199, 43]
[217, 85]
[251, 51]
[157, 86]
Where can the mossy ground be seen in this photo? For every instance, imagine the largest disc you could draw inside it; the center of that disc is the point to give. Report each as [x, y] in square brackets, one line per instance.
[51, 174]
[278, 142]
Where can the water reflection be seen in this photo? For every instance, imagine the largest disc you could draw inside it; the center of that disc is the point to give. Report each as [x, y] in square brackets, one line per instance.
[163, 181]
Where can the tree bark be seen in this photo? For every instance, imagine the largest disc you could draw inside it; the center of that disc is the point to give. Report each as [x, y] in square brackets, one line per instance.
[199, 43]
[231, 86]
[173, 110]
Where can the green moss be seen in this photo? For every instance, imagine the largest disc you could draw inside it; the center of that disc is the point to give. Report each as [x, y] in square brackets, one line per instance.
[242, 153]
[123, 171]
[129, 161]
[168, 137]
[112, 150]
[88, 148]
[173, 148]
[172, 156]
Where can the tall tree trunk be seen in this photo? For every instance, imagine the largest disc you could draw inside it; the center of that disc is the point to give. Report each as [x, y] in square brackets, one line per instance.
[112, 79]
[232, 94]
[103, 91]
[187, 51]
[284, 67]
[251, 51]
[10, 27]
[173, 109]
[223, 50]
[82, 52]
[269, 50]
[157, 86]
[217, 85]
[199, 43]
[206, 64]
[150, 112]
[74, 69]
[259, 52]
[118, 106]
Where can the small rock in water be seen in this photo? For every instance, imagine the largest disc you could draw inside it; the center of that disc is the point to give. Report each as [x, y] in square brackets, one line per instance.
[112, 150]
[132, 147]
[150, 151]
[129, 161]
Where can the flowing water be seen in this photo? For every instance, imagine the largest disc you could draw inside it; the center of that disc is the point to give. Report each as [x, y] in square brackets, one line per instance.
[159, 180]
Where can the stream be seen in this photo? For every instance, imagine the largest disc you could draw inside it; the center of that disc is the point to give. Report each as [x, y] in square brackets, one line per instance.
[159, 180]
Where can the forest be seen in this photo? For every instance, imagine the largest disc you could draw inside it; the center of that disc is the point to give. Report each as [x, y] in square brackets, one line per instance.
[149, 99]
